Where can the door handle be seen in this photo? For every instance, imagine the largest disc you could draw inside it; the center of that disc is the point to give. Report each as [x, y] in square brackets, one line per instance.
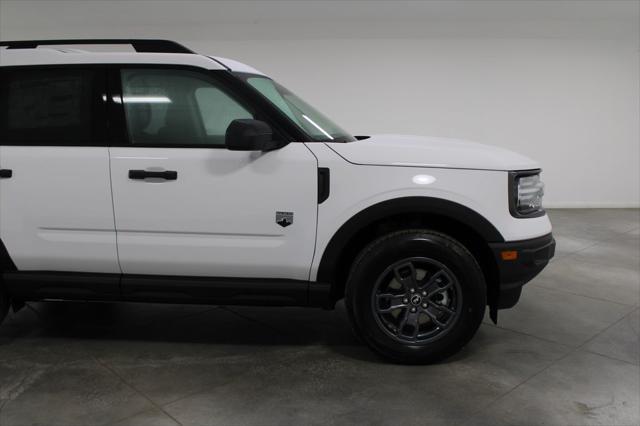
[144, 174]
[6, 173]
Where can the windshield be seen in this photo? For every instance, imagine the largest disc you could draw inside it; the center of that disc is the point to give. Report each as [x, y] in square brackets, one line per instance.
[312, 121]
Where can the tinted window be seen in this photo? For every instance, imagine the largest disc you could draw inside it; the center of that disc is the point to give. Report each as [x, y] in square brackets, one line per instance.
[177, 107]
[48, 106]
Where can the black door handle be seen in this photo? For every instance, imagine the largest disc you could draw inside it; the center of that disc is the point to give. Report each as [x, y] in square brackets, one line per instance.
[6, 173]
[144, 174]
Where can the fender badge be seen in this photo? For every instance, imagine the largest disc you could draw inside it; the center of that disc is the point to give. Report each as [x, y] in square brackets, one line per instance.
[284, 219]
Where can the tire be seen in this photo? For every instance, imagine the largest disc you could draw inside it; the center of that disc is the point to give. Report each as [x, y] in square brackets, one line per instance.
[435, 319]
[4, 305]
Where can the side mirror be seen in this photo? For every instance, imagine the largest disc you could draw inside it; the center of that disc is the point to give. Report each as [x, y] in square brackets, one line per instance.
[249, 135]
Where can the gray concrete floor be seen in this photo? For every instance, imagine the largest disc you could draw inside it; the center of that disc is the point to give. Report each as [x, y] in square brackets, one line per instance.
[567, 354]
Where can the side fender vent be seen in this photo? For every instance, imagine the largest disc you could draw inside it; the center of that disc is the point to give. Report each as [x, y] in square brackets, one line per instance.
[324, 184]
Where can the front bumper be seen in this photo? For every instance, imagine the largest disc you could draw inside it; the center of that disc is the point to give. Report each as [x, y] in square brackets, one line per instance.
[531, 256]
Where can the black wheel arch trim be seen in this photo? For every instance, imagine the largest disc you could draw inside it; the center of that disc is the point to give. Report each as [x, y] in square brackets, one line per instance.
[398, 206]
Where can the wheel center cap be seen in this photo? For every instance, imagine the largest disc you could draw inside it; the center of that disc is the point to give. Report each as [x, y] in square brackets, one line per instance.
[415, 300]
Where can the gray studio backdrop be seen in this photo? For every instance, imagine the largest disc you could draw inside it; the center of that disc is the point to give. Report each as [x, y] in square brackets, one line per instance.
[558, 81]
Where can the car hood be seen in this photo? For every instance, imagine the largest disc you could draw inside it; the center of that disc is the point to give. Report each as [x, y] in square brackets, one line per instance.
[416, 151]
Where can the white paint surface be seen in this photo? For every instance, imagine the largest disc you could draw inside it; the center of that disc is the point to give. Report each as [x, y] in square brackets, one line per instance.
[56, 212]
[218, 217]
[555, 81]
[411, 151]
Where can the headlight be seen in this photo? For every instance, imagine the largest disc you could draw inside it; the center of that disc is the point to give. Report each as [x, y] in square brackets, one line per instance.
[525, 194]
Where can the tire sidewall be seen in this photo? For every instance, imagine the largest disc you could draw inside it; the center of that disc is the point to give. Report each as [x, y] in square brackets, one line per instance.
[387, 251]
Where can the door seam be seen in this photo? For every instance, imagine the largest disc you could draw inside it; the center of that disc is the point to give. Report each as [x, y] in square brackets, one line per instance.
[315, 239]
[113, 210]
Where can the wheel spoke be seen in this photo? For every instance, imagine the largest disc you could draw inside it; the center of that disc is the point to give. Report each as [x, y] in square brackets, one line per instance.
[434, 318]
[442, 308]
[403, 321]
[385, 295]
[434, 280]
[405, 274]
[409, 319]
[413, 320]
[395, 302]
[439, 289]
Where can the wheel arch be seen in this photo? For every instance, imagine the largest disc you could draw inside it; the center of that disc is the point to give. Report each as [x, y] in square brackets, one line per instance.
[460, 222]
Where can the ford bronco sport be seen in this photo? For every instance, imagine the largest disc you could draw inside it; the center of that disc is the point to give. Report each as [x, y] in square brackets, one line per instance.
[161, 175]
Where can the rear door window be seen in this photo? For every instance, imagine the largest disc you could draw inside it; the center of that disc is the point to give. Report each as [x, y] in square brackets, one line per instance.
[59, 106]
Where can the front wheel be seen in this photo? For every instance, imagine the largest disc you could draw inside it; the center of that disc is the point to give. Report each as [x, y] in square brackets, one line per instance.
[416, 296]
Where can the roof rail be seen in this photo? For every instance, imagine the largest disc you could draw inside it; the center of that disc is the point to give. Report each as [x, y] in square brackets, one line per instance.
[139, 45]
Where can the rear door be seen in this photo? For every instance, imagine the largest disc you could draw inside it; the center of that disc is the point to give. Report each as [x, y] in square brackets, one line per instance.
[56, 211]
[209, 211]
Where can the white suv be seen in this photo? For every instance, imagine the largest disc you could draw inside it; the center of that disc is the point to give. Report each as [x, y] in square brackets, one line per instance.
[161, 175]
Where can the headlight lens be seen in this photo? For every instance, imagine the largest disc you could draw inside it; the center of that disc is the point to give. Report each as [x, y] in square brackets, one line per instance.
[526, 191]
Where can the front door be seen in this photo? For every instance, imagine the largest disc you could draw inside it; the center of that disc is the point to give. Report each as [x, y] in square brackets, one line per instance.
[186, 206]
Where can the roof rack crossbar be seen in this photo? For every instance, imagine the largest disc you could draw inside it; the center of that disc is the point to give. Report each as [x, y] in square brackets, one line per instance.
[139, 45]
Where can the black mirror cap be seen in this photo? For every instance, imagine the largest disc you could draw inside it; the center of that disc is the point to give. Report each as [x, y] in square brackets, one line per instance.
[245, 134]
